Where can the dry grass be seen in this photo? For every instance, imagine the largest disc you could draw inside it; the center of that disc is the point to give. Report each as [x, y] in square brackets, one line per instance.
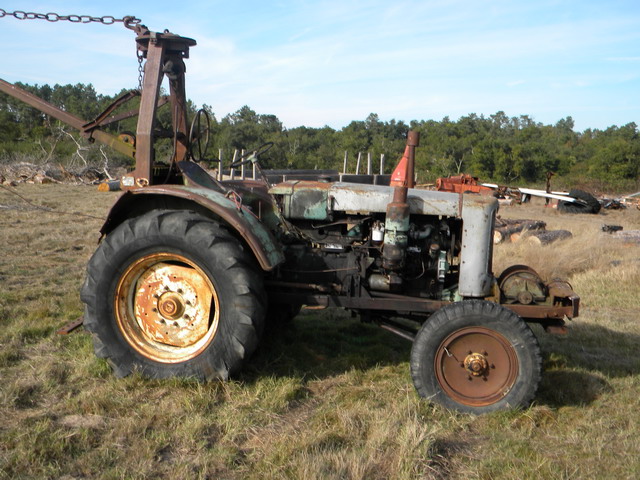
[327, 398]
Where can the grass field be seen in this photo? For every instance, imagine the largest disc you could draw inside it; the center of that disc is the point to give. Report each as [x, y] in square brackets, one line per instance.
[327, 398]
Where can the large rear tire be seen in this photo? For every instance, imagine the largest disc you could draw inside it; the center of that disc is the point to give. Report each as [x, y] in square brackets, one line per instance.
[173, 293]
[588, 204]
[476, 357]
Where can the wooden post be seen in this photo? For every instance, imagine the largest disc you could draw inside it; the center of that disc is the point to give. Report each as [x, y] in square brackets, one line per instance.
[242, 166]
[358, 163]
[382, 164]
[369, 164]
[232, 171]
[220, 164]
[344, 164]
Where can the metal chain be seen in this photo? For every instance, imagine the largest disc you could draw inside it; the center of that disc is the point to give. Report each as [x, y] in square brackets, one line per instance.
[140, 56]
[128, 21]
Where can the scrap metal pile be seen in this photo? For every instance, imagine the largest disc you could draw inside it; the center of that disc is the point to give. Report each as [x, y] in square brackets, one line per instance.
[573, 201]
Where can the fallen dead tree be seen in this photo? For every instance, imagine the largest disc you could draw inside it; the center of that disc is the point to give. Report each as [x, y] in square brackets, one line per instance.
[25, 172]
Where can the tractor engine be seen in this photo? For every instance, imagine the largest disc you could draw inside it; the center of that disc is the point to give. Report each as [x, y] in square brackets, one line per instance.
[341, 255]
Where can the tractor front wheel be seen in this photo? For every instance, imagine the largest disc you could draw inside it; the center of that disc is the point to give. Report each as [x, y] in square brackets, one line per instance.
[476, 357]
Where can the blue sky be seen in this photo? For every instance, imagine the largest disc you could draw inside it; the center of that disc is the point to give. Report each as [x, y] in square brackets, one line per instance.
[329, 62]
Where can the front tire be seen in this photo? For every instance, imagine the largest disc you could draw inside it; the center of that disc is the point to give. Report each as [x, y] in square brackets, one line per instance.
[476, 357]
[173, 293]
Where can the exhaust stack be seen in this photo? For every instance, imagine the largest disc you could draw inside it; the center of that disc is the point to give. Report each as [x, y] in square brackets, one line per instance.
[397, 219]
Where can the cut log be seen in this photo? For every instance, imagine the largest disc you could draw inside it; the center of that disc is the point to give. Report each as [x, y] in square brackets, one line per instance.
[505, 231]
[112, 186]
[546, 237]
[501, 222]
[628, 235]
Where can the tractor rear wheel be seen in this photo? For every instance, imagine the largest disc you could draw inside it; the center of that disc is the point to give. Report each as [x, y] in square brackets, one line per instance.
[173, 293]
[476, 357]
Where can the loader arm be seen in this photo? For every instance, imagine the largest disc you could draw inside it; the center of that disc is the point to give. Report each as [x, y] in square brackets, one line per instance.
[92, 133]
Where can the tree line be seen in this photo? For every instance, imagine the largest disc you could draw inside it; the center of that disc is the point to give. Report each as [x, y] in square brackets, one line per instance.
[497, 148]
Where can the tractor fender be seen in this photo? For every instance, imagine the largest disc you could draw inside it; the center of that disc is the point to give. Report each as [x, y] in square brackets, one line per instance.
[239, 218]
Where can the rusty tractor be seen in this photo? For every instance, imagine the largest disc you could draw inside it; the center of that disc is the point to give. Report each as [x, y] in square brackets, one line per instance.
[190, 266]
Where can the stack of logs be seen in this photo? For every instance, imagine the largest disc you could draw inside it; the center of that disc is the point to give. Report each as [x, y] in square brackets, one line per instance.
[533, 230]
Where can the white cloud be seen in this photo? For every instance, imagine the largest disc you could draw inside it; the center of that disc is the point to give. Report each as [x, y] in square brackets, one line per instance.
[330, 62]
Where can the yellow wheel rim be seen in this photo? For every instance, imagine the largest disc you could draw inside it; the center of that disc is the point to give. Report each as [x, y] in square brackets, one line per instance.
[166, 308]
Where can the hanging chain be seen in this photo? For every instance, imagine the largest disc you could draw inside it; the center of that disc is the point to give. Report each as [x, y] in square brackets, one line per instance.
[140, 56]
[128, 21]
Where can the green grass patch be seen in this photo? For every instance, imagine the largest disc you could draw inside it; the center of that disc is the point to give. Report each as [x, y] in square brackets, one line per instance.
[324, 398]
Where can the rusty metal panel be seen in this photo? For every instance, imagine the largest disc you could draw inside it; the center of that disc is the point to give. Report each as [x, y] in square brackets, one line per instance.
[359, 198]
[365, 199]
[543, 311]
[304, 199]
[147, 116]
[178, 99]
[427, 202]
[309, 204]
[263, 244]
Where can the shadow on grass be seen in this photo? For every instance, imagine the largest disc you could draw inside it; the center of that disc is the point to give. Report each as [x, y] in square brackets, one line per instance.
[578, 367]
[323, 344]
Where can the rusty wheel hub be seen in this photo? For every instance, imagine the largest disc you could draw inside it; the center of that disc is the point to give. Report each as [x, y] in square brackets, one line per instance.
[171, 305]
[167, 308]
[476, 366]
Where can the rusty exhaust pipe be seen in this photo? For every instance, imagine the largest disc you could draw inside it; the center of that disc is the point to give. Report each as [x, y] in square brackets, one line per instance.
[397, 219]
